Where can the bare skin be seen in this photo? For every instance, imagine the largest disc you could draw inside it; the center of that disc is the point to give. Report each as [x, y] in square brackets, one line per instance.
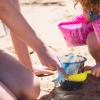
[5, 93]
[23, 54]
[17, 79]
[15, 21]
[93, 46]
[94, 49]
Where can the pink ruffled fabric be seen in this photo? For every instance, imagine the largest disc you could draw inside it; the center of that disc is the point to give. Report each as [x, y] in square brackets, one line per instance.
[75, 31]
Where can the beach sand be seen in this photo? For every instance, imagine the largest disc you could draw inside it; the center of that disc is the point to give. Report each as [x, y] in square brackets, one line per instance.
[44, 18]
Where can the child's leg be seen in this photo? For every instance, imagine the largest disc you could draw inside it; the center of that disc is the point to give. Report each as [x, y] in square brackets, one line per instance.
[94, 49]
[5, 93]
[17, 78]
[93, 46]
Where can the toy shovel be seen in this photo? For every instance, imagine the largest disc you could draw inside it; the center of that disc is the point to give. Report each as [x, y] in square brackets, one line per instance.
[81, 77]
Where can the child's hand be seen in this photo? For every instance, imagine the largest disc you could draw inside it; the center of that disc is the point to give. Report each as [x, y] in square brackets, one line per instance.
[96, 70]
[47, 58]
[42, 71]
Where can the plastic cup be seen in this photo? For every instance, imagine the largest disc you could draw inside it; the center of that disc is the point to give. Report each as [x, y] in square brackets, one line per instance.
[72, 64]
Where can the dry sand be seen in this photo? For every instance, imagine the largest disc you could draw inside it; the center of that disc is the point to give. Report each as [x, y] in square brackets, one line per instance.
[44, 20]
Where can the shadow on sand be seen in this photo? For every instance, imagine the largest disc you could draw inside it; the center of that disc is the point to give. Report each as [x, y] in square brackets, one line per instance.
[89, 91]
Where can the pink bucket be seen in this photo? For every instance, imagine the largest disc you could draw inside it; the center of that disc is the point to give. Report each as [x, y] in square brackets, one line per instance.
[75, 31]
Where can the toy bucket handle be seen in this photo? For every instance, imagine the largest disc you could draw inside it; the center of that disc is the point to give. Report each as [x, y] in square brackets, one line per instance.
[88, 72]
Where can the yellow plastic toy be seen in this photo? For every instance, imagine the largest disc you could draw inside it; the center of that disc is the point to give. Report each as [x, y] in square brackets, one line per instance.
[78, 77]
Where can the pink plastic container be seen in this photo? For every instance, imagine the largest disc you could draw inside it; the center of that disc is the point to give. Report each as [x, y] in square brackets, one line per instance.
[96, 26]
[75, 31]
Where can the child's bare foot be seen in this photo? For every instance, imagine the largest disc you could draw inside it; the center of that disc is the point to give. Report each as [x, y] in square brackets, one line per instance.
[42, 70]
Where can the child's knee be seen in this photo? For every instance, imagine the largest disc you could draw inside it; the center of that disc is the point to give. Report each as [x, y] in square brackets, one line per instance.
[30, 92]
[35, 90]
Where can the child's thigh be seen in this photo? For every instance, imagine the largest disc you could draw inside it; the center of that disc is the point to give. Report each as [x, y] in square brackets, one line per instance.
[16, 77]
[5, 93]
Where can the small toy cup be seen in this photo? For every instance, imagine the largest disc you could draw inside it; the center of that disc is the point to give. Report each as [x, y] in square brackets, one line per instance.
[72, 64]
